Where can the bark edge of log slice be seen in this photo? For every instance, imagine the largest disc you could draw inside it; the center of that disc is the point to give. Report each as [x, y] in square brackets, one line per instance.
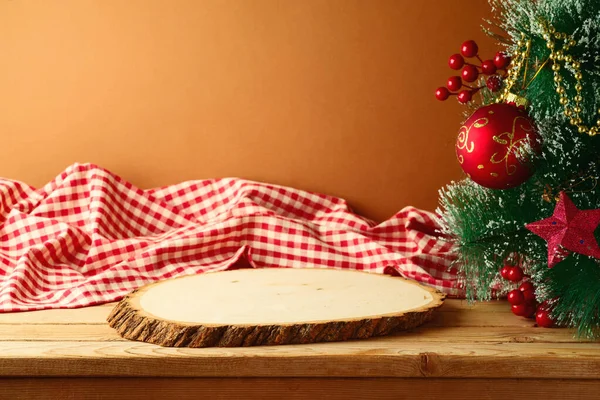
[133, 323]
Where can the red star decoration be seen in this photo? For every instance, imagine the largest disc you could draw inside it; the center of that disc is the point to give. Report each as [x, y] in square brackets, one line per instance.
[568, 229]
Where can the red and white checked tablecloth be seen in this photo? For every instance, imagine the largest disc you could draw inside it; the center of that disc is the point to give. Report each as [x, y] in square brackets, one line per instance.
[89, 237]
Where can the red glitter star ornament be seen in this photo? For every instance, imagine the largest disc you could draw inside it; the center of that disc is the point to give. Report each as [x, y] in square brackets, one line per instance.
[568, 229]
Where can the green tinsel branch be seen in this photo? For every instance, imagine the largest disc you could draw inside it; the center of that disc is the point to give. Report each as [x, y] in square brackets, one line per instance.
[487, 225]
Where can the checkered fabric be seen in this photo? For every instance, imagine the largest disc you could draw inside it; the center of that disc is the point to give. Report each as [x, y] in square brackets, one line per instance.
[89, 237]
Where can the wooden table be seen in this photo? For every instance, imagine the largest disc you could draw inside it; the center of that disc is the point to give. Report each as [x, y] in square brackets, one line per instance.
[466, 352]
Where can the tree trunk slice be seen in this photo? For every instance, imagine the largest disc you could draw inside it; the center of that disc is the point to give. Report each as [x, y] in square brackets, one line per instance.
[251, 307]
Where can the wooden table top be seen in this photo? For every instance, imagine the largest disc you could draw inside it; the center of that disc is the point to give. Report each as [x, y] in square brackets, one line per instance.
[483, 341]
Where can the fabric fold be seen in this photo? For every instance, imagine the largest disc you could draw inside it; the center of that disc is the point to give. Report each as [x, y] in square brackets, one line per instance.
[90, 237]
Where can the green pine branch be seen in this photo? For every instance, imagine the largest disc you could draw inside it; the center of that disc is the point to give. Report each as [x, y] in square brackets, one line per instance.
[487, 225]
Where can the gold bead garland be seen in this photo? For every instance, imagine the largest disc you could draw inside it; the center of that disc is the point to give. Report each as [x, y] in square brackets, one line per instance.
[556, 57]
[519, 60]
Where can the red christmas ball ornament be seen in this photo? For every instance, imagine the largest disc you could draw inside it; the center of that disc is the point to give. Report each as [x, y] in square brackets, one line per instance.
[515, 274]
[465, 96]
[488, 144]
[469, 49]
[470, 73]
[542, 318]
[515, 297]
[442, 93]
[494, 83]
[454, 83]
[488, 67]
[501, 61]
[456, 61]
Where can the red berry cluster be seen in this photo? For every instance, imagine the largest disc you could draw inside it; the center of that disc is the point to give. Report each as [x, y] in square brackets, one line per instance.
[523, 301]
[470, 73]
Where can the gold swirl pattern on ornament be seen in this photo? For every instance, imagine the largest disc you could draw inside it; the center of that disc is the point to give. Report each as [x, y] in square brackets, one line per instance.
[461, 159]
[463, 134]
[507, 138]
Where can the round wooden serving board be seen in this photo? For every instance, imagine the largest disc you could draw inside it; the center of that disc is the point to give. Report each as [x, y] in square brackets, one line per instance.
[249, 307]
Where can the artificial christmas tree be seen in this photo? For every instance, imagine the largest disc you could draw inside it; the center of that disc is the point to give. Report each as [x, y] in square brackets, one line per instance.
[545, 221]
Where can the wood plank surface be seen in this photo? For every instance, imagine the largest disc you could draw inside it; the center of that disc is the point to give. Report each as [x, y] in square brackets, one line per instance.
[410, 359]
[294, 388]
[428, 333]
[463, 341]
[88, 315]
[456, 308]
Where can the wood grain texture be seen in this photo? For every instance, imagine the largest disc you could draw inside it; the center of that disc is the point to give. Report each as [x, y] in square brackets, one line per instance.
[411, 359]
[88, 315]
[98, 314]
[135, 322]
[295, 388]
[483, 341]
[427, 334]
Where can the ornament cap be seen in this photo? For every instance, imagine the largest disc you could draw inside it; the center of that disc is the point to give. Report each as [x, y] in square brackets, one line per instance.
[519, 101]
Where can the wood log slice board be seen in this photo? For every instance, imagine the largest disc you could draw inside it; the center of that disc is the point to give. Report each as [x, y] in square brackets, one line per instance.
[249, 307]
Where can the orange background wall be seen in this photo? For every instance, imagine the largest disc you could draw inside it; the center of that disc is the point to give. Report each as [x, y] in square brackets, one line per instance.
[334, 96]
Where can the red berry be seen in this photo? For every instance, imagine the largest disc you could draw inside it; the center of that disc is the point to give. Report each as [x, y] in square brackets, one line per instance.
[542, 318]
[529, 296]
[515, 297]
[488, 67]
[456, 61]
[442, 93]
[526, 286]
[501, 61]
[470, 73]
[515, 274]
[519, 309]
[529, 311]
[469, 48]
[494, 83]
[504, 271]
[544, 306]
[454, 83]
[465, 96]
